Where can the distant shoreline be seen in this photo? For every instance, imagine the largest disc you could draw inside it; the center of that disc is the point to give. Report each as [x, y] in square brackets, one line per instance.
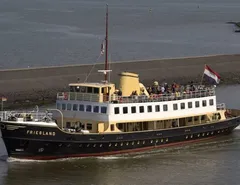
[26, 86]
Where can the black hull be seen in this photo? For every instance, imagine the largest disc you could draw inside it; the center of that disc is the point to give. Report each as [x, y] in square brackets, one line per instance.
[45, 143]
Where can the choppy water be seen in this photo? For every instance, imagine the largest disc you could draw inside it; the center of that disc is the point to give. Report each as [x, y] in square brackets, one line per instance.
[215, 162]
[60, 32]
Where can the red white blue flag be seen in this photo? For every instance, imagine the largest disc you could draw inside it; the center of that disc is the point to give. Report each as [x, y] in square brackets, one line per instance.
[212, 76]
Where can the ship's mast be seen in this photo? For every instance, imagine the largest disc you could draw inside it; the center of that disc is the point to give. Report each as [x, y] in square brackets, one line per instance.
[106, 45]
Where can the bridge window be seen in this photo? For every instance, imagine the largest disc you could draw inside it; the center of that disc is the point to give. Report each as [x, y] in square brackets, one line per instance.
[189, 105]
[75, 107]
[211, 102]
[116, 110]
[196, 104]
[165, 107]
[69, 106]
[149, 108]
[133, 109]
[96, 90]
[83, 89]
[89, 90]
[89, 108]
[141, 109]
[81, 107]
[182, 105]
[175, 106]
[96, 109]
[63, 106]
[77, 89]
[125, 110]
[104, 110]
[204, 103]
[157, 108]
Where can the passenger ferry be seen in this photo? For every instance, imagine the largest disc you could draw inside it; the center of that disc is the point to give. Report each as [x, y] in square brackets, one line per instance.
[96, 119]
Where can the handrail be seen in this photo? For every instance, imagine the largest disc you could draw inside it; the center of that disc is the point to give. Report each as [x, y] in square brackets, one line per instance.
[25, 116]
[221, 106]
[60, 114]
[135, 98]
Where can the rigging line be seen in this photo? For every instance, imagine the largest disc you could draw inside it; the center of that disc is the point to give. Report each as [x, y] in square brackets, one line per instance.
[92, 68]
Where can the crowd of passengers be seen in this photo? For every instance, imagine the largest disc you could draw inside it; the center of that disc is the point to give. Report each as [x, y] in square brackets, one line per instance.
[165, 88]
[169, 89]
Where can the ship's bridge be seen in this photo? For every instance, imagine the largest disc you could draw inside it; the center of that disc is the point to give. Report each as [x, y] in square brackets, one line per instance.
[93, 92]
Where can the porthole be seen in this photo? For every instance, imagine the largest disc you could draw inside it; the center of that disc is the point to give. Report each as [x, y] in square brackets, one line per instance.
[198, 135]
[60, 144]
[80, 145]
[121, 144]
[203, 134]
[138, 142]
[127, 143]
[88, 145]
[161, 140]
[191, 136]
[207, 133]
[167, 140]
[222, 130]
[151, 141]
[186, 137]
[212, 133]
[68, 145]
[115, 144]
[110, 145]
[100, 145]
[94, 145]
[219, 131]
[133, 143]
[156, 140]
[143, 142]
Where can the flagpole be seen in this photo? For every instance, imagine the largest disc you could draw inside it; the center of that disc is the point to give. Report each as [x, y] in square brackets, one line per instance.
[106, 44]
[2, 105]
[203, 74]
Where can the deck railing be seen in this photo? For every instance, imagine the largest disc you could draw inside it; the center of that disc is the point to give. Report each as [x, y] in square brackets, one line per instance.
[134, 98]
[221, 106]
[25, 116]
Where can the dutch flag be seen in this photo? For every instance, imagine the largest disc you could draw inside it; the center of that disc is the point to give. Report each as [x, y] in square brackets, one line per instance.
[212, 76]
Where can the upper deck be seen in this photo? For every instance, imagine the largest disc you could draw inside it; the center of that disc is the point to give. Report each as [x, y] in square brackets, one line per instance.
[114, 98]
[132, 91]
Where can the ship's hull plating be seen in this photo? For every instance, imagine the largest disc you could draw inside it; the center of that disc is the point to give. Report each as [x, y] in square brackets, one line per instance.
[44, 143]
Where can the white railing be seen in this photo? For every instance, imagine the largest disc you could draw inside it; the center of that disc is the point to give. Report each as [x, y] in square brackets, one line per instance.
[221, 106]
[25, 116]
[135, 98]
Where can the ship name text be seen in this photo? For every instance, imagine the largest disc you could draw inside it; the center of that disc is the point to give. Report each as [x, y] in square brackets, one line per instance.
[41, 133]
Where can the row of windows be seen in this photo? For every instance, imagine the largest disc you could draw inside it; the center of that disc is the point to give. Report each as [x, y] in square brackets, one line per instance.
[165, 107]
[81, 107]
[84, 89]
[190, 104]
